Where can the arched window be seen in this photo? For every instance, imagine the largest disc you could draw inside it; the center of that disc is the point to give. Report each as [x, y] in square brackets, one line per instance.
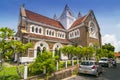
[47, 32]
[38, 50]
[32, 28]
[53, 33]
[40, 47]
[50, 32]
[44, 49]
[40, 30]
[57, 50]
[75, 33]
[63, 35]
[78, 32]
[36, 30]
[93, 30]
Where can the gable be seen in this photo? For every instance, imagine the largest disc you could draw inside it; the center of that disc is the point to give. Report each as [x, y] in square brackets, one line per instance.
[78, 22]
[90, 17]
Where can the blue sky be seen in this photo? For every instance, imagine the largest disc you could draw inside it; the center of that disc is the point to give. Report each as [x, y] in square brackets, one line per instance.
[107, 13]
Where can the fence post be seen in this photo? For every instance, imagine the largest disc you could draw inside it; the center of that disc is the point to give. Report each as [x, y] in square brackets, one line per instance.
[25, 70]
[57, 66]
[65, 63]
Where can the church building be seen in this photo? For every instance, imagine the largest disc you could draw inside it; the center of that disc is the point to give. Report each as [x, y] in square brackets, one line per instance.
[53, 33]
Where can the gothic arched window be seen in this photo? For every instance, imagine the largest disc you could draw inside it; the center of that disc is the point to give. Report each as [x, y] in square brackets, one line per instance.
[32, 28]
[38, 50]
[40, 30]
[36, 30]
[44, 49]
[92, 30]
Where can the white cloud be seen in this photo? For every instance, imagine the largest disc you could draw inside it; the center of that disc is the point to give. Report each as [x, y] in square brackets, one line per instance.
[113, 40]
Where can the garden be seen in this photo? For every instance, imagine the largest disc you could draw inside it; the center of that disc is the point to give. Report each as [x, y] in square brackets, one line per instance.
[44, 63]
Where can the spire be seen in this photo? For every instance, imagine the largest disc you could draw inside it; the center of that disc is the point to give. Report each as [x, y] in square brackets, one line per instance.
[55, 17]
[67, 7]
[67, 17]
[22, 11]
[68, 11]
[79, 15]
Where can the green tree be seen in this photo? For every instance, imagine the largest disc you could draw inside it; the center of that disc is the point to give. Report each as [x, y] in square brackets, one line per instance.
[5, 34]
[9, 46]
[109, 47]
[69, 50]
[101, 53]
[87, 52]
[44, 61]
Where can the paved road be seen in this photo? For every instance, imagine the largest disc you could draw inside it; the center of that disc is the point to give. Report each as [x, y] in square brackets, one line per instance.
[108, 74]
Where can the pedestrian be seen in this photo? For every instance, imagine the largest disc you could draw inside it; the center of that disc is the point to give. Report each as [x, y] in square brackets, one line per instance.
[114, 63]
[110, 63]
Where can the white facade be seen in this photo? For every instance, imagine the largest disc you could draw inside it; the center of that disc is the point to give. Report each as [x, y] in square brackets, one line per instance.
[67, 18]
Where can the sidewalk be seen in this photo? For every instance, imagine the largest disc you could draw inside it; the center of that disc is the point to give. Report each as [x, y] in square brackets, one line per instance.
[69, 77]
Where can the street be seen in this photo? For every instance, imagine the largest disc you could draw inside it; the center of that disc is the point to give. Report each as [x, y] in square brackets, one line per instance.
[108, 74]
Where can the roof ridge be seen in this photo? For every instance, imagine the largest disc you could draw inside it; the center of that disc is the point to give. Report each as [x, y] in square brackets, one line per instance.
[41, 18]
[41, 15]
[76, 22]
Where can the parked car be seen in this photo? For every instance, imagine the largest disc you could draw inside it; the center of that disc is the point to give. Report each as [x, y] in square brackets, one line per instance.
[104, 62]
[90, 67]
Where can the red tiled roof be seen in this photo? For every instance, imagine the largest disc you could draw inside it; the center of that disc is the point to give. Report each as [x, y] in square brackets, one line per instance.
[39, 18]
[48, 38]
[77, 22]
[117, 54]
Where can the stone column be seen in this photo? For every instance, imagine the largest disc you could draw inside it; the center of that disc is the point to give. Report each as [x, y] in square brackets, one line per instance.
[25, 71]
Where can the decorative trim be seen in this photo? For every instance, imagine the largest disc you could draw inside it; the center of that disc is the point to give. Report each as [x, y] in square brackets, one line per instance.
[74, 34]
[95, 32]
[33, 29]
[80, 25]
[43, 39]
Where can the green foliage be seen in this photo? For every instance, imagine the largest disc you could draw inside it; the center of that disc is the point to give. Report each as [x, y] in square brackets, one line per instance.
[68, 50]
[111, 55]
[69, 63]
[9, 73]
[109, 47]
[43, 61]
[6, 32]
[61, 65]
[85, 52]
[104, 53]
[8, 46]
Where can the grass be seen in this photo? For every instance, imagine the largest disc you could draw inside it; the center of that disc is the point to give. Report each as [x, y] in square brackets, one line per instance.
[9, 73]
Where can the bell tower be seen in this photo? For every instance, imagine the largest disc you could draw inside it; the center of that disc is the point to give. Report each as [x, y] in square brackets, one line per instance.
[67, 17]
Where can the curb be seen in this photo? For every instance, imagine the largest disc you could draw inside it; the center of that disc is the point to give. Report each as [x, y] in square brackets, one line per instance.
[69, 77]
